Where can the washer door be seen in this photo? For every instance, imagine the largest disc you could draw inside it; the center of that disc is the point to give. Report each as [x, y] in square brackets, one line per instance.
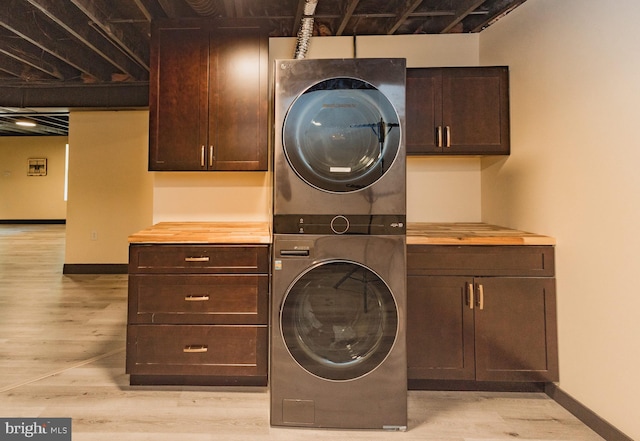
[341, 135]
[339, 320]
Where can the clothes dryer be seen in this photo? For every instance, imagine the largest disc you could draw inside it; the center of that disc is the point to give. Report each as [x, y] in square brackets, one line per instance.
[339, 137]
[338, 354]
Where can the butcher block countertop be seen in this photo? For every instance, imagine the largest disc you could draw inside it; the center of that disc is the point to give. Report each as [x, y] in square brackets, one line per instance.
[454, 233]
[205, 232]
[457, 233]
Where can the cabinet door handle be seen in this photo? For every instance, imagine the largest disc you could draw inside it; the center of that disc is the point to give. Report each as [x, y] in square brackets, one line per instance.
[448, 136]
[439, 136]
[210, 156]
[202, 156]
[196, 298]
[480, 303]
[195, 349]
[197, 259]
[470, 295]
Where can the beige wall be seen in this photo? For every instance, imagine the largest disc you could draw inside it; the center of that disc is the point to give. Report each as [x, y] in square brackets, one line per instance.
[110, 190]
[25, 197]
[572, 174]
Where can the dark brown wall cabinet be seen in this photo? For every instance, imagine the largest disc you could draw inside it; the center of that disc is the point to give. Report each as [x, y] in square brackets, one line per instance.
[198, 314]
[458, 111]
[208, 96]
[481, 313]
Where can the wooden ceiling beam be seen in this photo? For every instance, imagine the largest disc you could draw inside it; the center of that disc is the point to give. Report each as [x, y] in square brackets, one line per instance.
[114, 95]
[129, 41]
[16, 68]
[33, 56]
[42, 33]
[498, 13]
[150, 9]
[173, 9]
[346, 15]
[465, 8]
[75, 23]
[403, 15]
[298, 18]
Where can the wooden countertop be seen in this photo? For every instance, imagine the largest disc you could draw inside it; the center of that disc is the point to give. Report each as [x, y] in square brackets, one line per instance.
[471, 233]
[205, 232]
[418, 233]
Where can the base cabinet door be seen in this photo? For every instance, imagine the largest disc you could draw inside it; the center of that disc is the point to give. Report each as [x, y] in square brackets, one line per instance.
[440, 333]
[515, 329]
[481, 329]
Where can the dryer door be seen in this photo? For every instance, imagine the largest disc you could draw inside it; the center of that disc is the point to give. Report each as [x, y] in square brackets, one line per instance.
[341, 135]
[339, 320]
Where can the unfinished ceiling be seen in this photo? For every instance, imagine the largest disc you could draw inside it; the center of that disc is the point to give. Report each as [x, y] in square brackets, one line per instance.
[95, 53]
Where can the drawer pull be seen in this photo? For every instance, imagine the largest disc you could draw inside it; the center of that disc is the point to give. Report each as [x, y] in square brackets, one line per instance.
[197, 259]
[195, 349]
[196, 298]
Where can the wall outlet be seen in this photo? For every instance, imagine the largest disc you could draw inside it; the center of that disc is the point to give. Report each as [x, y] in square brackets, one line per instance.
[94, 235]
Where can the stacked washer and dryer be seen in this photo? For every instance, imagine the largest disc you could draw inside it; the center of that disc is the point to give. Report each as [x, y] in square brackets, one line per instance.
[338, 308]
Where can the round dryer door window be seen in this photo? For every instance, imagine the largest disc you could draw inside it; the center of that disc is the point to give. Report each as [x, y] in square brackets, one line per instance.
[341, 135]
[339, 320]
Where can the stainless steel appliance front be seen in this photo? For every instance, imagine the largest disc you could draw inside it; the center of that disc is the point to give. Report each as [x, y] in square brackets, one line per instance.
[339, 137]
[338, 356]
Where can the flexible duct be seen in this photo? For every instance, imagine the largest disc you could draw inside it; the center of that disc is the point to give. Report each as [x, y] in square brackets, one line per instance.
[204, 8]
[306, 29]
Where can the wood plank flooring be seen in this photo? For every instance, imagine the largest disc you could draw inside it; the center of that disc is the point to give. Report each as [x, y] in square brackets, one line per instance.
[62, 340]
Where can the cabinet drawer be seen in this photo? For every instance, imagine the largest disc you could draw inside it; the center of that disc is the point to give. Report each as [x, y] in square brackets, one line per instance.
[197, 350]
[481, 260]
[199, 299]
[157, 258]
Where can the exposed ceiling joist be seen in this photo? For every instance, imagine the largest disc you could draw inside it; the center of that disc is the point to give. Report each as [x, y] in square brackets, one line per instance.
[72, 20]
[32, 27]
[346, 15]
[298, 17]
[495, 13]
[404, 14]
[130, 42]
[465, 8]
[29, 55]
[95, 53]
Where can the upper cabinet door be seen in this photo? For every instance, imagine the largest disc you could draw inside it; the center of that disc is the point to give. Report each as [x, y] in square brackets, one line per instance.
[458, 111]
[424, 111]
[208, 96]
[238, 118]
[178, 90]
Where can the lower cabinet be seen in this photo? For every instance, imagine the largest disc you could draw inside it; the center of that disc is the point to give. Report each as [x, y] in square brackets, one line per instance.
[198, 314]
[481, 314]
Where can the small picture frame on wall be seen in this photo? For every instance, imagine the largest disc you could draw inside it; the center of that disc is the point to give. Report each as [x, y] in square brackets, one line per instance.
[37, 167]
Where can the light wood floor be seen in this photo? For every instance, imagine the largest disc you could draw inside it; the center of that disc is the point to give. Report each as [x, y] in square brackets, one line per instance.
[62, 341]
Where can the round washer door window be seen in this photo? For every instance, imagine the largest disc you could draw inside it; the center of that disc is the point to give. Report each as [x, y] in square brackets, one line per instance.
[341, 135]
[339, 320]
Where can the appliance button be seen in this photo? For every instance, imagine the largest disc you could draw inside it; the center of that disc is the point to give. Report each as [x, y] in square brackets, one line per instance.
[339, 224]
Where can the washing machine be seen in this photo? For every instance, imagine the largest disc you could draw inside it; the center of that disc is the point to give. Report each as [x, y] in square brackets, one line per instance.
[337, 342]
[339, 137]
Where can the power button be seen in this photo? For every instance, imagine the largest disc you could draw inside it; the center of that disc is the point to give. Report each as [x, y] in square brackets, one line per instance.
[339, 224]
